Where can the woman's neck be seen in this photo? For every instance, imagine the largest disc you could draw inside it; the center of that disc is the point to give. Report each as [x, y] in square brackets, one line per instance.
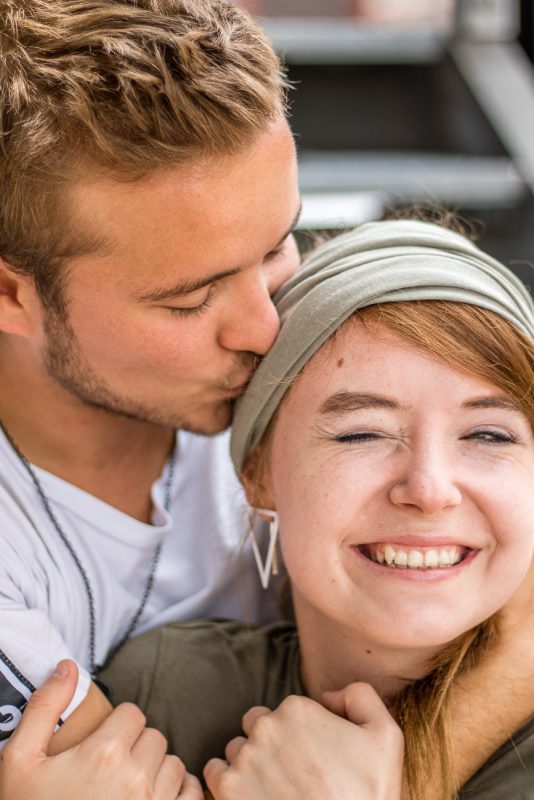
[334, 656]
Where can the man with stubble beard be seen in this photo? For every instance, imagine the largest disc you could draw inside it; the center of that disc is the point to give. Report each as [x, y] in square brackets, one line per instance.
[148, 199]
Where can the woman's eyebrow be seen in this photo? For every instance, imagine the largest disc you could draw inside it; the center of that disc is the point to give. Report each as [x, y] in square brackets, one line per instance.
[492, 401]
[345, 402]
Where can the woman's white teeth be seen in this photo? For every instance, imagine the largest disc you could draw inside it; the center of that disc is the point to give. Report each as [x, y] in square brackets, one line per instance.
[416, 559]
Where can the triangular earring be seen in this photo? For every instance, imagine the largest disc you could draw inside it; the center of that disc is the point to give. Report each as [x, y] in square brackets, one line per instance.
[270, 567]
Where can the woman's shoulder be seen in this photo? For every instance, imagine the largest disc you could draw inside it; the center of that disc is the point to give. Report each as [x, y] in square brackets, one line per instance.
[261, 658]
[200, 648]
[195, 680]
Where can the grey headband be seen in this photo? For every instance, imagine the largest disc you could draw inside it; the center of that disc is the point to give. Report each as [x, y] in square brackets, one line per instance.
[380, 262]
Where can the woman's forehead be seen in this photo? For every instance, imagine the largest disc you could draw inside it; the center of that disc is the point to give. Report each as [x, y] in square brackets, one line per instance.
[373, 358]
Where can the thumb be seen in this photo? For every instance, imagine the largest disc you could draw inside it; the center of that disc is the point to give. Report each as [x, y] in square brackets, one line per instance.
[357, 702]
[45, 706]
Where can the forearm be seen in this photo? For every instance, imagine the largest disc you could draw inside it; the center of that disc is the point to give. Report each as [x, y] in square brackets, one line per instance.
[491, 702]
[82, 722]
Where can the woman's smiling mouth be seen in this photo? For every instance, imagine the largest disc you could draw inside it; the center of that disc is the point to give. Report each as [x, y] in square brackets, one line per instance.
[397, 556]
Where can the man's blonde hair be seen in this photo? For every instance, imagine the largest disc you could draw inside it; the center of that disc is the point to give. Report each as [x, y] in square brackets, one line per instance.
[127, 86]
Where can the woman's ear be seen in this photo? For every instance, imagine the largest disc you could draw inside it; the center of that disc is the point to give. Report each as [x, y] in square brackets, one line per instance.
[256, 479]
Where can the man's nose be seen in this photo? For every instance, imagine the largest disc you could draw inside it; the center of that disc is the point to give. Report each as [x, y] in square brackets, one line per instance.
[252, 324]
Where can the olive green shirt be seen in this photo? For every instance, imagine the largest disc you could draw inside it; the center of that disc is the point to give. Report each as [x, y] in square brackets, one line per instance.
[195, 680]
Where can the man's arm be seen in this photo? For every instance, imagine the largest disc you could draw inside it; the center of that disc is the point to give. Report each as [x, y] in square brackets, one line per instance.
[122, 759]
[496, 698]
[82, 722]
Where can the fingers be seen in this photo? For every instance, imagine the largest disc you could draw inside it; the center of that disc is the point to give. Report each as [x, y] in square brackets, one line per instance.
[170, 781]
[359, 703]
[213, 773]
[123, 742]
[191, 789]
[149, 751]
[233, 747]
[124, 725]
[251, 716]
[44, 709]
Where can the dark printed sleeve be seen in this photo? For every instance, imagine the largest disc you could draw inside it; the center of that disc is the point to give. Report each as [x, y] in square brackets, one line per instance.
[15, 691]
[30, 648]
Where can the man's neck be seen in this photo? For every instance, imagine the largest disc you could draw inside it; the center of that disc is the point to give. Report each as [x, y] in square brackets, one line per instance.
[110, 456]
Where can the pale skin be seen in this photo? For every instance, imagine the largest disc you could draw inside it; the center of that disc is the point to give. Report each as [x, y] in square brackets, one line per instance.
[227, 222]
[152, 341]
[443, 465]
[361, 733]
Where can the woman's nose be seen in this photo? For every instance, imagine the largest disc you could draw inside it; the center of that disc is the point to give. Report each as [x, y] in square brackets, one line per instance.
[426, 482]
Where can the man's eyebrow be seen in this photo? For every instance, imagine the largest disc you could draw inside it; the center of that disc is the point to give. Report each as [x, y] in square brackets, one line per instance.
[493, 401]
[187, 287]
[291, 227]
[345, 402]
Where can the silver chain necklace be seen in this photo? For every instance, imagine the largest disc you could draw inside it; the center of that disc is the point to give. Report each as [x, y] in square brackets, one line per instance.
[94, 668]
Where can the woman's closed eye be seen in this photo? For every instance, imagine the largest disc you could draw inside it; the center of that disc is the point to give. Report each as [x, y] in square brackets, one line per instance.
[358, 437]
[486, 435]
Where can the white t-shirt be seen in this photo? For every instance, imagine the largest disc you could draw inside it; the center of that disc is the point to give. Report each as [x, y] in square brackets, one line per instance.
[204, 569]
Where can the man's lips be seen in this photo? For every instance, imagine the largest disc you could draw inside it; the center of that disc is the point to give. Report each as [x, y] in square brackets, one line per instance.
[237, 389]
[235, 386]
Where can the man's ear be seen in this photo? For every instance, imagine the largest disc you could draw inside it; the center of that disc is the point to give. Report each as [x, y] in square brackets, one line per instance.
[19, 302]
[256, 479]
